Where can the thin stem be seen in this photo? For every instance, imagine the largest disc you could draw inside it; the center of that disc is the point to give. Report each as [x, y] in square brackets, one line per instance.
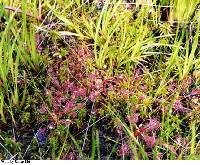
[27, 14]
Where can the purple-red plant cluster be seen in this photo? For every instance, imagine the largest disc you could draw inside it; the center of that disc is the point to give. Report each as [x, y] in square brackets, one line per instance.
[73, 85]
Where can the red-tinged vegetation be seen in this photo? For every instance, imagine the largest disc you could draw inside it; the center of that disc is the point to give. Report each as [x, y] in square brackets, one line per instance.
[187, 82]
[140, 132]
[133, 119]
[73, 90]
[179, 107]
[172, 87]
[43, 109]
[124, 150]
[194, 92]
[149, 140]
[153, 125]
[71, 156]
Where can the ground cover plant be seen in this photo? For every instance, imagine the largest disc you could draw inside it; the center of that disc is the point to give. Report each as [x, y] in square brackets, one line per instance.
[94, 79]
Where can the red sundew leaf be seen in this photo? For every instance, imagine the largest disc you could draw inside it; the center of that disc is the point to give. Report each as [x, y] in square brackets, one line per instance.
[134, 108]
[141, 97]
[82, 92]
[73, 115]
[172, 86]
[64, 87]
[58, 94]
[92, 77]
[69, 106]
[153, 125]
[143, 129]
[178, 106]
[71, 86]
[52, 125]
[178, 140]
[149, 140]
[79, 76]
[137, 74]
[159, 156]
[71, 156]
[50, 70]
[58, 101]
[47, 92]
[65, 122]
[75, 95]
[124, 150]
[55, 82]
[194, 92]
[80, 105]
[92, 86]
[93, 96]
[140, 132]
[132, 156]
[143, 88]
[125, 94]
[43, 109]
[81, 53]
[137, 133]
[171, 148]
[98, 84]
[186, 83]
[55, 106]
[133, 118]
[120, 77]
